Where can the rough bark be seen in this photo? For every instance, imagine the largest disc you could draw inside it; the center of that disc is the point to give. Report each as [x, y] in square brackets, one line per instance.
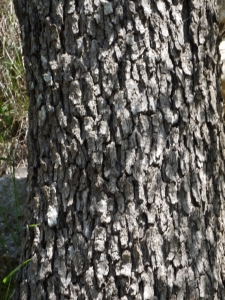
[126, 150]
[221, 10]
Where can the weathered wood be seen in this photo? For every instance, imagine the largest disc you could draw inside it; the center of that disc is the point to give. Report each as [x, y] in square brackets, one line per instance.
[126, 151]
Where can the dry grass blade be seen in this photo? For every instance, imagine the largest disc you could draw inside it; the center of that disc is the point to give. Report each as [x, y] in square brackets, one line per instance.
[13, 97]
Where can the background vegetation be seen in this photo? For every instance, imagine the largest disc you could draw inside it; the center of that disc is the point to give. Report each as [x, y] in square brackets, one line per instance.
[13, 123]
[13, 97]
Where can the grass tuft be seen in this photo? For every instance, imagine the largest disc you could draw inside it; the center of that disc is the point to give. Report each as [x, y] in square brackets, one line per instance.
[13, 131]
[13, 95]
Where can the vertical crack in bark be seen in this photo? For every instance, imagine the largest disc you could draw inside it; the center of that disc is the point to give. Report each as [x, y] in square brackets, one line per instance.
[186, 16]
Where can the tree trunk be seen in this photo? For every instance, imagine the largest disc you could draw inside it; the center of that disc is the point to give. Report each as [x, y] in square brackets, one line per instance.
[126, 149]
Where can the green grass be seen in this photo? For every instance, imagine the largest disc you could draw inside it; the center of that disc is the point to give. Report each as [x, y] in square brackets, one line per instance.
[13, 95]
[13, 129]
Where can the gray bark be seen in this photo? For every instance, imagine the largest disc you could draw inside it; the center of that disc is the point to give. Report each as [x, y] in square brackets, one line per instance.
[126, 150]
